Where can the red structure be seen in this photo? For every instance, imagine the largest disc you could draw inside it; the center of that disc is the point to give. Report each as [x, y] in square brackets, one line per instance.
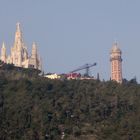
[73, 75]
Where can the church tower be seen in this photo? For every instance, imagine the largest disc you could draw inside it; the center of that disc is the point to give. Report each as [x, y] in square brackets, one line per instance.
[34, 61]
[18, 52]
[3, 53]
[116, 63]
[34, 51]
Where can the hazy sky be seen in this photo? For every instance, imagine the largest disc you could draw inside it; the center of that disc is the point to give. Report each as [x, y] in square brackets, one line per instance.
[70, 33]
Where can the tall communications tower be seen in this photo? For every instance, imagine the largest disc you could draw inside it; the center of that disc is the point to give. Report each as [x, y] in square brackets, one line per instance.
[116, 63]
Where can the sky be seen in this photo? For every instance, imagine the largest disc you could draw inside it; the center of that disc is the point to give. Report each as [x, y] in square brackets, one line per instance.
[71, 33]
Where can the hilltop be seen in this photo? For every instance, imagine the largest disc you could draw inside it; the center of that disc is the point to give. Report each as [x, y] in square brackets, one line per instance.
[37, 108]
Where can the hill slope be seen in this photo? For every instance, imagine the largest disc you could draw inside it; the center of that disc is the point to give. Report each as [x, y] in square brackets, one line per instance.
[32, 107]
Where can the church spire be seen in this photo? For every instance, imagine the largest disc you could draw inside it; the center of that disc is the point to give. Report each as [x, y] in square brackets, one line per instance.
[3, 53]
[18, 44]
[18, 49]
[18, 27]
[3, 45]
[34, 57]
[34, 51]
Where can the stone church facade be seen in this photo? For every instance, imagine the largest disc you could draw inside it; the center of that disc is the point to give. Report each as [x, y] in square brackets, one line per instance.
[19, 55]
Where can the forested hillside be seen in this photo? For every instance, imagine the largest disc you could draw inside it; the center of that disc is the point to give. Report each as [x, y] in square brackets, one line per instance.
[36, 108]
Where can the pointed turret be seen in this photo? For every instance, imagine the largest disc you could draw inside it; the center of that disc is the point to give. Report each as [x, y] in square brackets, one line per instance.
[40, 63]
[18, 44]
[40, 66]
[34, 51]
[34, 60]
[3, 53]
[18, 27]
[17, 50]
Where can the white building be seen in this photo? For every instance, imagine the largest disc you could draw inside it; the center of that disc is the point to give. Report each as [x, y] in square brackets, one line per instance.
[52, 76]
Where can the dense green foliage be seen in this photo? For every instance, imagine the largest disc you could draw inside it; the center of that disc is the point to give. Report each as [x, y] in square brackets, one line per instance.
[32, 107]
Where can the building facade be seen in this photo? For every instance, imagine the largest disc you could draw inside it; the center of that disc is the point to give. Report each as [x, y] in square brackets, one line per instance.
[116, 63]
[19, 55]
[52, 76]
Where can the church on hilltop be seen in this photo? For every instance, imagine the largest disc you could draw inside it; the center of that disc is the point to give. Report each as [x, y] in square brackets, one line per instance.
[19, 55]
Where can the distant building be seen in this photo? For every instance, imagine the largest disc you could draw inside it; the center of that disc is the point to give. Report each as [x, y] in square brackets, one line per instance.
[73, 76]
[116, 63]
[52, 76]
[77, 76]
[19, 55]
